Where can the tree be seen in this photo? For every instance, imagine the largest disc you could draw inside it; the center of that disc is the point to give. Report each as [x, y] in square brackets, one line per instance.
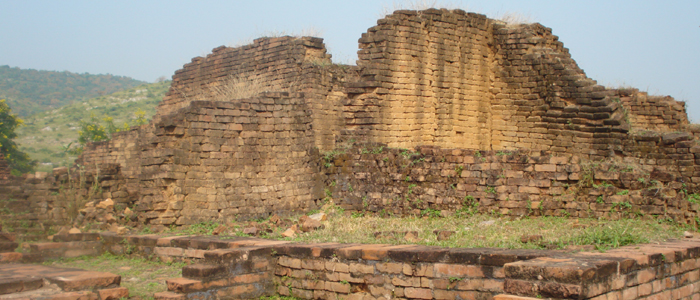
[19, 161]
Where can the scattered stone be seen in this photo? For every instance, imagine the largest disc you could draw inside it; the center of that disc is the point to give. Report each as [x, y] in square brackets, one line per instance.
[109, 218]
[274, 219]
[107, 204]
[688, 234]
[74, 231]
[411, 236]
[251, 231]
[308, 224]
[289, 233]
[319, 216]
[219, 230]
[530, 238]
[443, 235]
[63, 230]
[487, 223]
[128, 212]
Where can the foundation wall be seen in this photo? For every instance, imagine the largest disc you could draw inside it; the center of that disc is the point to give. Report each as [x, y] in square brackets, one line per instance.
[249, 268]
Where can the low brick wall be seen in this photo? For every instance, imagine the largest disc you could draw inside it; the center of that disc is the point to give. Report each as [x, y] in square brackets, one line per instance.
[243, 268]
[376, 178]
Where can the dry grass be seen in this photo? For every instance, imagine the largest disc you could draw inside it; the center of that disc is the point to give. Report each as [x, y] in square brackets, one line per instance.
[515, 18]
[237, 87]
[490, 231]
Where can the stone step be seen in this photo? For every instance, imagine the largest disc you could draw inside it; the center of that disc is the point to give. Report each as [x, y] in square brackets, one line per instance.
[79, 280]
[168, 296]
[66, 250]
[187, 286]
[203, 272]
[7, 237]
[8, 246]
[10, 257]
[16, 284]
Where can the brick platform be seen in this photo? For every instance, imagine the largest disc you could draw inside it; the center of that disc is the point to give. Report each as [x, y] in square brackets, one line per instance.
[24, 281]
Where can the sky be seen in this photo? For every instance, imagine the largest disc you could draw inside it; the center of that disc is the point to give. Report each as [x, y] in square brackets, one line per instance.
[650, 45]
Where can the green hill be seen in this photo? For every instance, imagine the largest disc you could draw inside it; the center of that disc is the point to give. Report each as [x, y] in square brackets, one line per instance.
[31, 91]
[46, 134]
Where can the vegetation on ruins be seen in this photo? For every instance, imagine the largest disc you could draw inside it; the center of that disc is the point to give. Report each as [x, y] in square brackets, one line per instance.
[18, 161]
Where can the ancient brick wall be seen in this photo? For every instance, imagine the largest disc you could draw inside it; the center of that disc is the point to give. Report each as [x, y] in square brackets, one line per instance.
[426, 80]
[394, 181]
[245, 159]
[460, 80]
[654, 113]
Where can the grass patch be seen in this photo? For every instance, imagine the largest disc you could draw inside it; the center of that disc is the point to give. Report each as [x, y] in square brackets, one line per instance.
[142, 277]
[487, 231]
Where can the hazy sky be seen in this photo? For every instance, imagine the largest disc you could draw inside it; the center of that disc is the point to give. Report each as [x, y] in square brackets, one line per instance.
[651, 45]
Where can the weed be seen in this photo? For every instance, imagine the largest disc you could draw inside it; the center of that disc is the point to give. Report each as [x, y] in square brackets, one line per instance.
[694, 198]
[458, 170]
[430, 213]
[378, 150]
[410, 188]
[623, 192]
[501, 153]
[490, 190]
[599, 200]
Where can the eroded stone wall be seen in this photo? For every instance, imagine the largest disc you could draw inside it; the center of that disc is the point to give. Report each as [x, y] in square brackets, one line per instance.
[392, 181]
[216, 160]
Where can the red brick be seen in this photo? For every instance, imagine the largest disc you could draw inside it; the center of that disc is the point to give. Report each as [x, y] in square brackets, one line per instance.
[418, 293]
[168, 296]
[113, 294]
[338, 287]
[455, 270]
[84, 280]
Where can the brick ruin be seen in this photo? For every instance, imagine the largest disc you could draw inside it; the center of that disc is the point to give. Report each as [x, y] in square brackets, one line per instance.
[445, 110]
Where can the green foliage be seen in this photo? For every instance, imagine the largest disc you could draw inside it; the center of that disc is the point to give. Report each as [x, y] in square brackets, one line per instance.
[30, 91]
[430, 213]
[206, 228]
[608, 237]
[18, 161]
[694, 198]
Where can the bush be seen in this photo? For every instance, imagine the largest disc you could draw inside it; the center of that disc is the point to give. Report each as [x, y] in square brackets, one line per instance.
[19, 161]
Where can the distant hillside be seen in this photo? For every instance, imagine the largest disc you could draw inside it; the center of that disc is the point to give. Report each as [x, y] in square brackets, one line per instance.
[30, 91]
[45, 134]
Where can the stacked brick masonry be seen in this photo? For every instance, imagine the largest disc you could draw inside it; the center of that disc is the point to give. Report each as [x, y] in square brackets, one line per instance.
[460, 80]
[251, 267]
[276, 62]
[400, 182]
[654, 113]
[426, 78]
[658, 271]
[244, 159]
